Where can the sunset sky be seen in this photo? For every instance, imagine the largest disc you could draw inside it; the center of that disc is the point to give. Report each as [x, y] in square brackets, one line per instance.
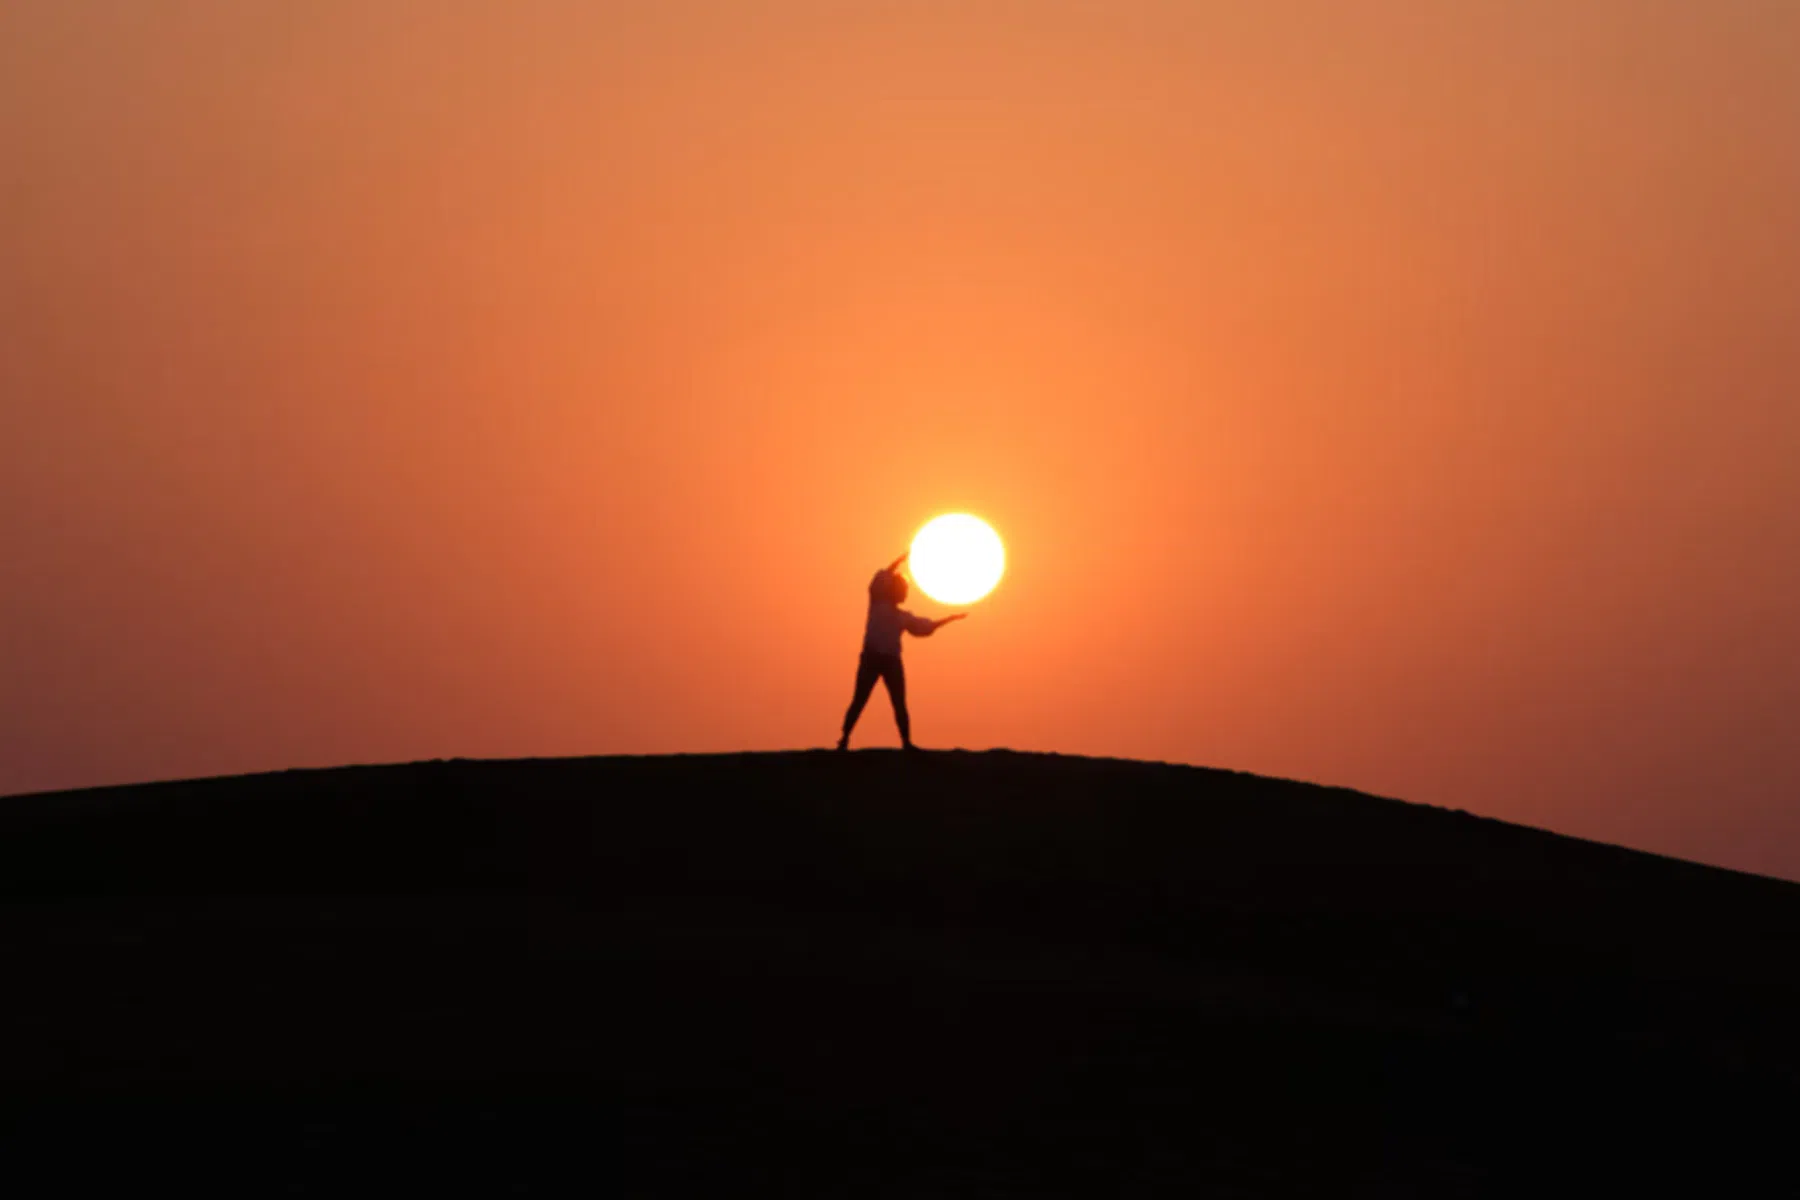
[1402, 394]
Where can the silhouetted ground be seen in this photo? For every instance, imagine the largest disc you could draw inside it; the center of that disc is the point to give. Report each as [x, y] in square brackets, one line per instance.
[871, 975]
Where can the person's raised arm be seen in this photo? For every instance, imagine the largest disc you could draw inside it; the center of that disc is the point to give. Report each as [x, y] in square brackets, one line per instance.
[895, 565]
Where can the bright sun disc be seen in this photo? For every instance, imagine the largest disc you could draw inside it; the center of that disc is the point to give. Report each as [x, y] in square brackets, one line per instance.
[957, 559]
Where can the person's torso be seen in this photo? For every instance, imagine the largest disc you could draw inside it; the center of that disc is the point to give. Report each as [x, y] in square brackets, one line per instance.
[881, 635]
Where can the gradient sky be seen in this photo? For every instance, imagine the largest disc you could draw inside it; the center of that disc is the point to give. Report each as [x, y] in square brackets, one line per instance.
[1401, 394]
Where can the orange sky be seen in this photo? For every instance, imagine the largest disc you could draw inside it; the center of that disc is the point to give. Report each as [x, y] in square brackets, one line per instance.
[1401, 394]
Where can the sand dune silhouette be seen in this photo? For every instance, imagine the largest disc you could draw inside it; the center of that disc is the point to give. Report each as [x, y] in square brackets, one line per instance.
[940, 974]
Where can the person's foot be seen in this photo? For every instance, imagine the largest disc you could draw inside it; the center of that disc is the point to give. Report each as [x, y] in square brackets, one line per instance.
[844, 742]
[908, 746]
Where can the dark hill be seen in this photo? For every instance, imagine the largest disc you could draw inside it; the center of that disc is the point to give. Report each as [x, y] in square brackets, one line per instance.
[871, 974]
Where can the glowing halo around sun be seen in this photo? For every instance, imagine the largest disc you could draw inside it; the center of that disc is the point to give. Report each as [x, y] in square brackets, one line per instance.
[957, 559]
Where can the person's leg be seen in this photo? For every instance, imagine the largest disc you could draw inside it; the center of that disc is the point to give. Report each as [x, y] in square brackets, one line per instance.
[893, 673]
[867, 671]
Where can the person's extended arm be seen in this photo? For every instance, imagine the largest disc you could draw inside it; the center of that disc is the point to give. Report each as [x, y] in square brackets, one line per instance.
[925, 626]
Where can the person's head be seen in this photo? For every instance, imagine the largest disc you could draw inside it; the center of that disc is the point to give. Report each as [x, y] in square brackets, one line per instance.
[889, 586]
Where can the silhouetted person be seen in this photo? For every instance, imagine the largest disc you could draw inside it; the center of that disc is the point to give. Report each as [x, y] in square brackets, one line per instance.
[881, 649]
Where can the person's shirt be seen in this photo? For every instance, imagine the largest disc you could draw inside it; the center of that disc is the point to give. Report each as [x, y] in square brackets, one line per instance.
[887, 621]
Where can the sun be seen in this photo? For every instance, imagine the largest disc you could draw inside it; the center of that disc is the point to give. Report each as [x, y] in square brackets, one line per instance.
[957, 559]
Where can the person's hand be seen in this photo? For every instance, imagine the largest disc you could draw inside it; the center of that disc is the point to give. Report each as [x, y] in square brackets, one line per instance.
[895, 565]
[953, 617]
